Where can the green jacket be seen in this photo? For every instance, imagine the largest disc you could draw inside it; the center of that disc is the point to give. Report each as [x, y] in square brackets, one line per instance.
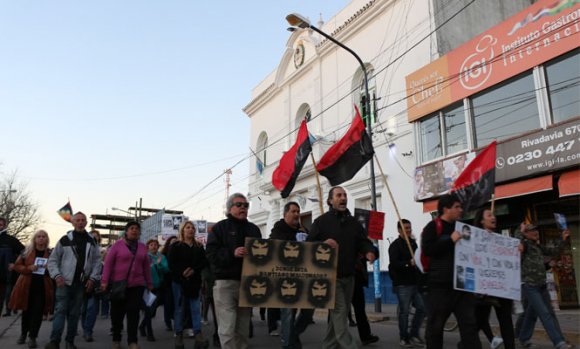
[533, 266]
[158, 270]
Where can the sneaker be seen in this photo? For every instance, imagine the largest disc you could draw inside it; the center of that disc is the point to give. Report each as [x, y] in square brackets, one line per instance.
[565, 346]
[70, 345]
[32, 342]
[274, 333]
[527, 345]
[417, 342]
[150, 338]
[370, 339]
[88, 338]
[21, 339]
[405, 343]
[496, 342]
[188, 332]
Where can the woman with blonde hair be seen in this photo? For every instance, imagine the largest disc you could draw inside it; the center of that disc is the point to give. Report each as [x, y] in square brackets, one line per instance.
[186, 262]
[33, 292]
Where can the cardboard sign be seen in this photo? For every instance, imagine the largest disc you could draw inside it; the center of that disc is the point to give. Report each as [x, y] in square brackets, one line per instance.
[373, 222]
[288, 274]
[487, 263]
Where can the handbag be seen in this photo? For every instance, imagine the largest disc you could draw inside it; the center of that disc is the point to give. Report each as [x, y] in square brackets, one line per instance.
[118, 288]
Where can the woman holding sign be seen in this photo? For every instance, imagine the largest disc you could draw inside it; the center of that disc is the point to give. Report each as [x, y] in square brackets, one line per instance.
[31, 265]
[485, 219]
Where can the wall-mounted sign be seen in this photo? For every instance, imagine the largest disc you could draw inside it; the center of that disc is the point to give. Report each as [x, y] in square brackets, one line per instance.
[547, 150]
[541, 32]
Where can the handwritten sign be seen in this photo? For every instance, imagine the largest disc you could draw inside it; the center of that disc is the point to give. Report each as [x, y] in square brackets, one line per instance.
[288, 274]
[487, 263]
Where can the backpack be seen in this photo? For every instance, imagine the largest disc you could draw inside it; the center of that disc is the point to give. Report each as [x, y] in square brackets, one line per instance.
[426, 260]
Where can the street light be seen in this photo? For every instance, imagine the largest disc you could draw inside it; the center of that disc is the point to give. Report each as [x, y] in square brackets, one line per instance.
[298, 21]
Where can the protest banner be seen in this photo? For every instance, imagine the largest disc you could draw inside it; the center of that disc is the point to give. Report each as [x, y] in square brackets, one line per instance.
[486, 263]
[288, 274]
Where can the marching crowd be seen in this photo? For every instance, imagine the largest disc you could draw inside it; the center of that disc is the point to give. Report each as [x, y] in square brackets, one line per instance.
[127, 282]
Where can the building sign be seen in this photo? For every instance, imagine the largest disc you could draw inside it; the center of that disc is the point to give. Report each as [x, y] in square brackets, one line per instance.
[552, 149]
[437, 178]
[543, 31]
[487, 263]
[288, 274]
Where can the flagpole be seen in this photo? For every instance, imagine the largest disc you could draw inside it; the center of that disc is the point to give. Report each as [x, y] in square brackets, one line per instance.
[396, 208]
[319, 189]
[492, 202]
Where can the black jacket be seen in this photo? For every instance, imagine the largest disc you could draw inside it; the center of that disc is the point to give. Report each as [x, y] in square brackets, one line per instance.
[401, 271]
[283, 231]
[441, 251]
[348, 233]
[183, 256]
[226, 236]
[10, 248]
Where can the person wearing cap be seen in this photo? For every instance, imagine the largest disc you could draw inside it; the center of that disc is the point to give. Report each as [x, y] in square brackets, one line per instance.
[534, 287]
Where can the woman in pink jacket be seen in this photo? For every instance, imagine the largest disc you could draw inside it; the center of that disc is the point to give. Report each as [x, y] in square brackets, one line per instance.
[127, 260]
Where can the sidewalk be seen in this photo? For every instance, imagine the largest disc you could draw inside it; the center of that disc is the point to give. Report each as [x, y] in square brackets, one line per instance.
[569, 321]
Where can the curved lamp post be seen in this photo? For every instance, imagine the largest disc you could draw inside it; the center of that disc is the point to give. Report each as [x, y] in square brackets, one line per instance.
[298, 21]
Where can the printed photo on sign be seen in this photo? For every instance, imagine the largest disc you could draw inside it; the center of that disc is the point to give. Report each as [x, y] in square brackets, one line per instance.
[486, 263]
[288, 274]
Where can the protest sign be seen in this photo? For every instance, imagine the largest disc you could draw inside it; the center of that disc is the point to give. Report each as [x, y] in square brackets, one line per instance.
[486, 263]
[373, 222]
[288, 274]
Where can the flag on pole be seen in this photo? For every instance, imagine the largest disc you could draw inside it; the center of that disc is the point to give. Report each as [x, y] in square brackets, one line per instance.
[65, 212]
[291, 163]
[476, 184]
[347, 156]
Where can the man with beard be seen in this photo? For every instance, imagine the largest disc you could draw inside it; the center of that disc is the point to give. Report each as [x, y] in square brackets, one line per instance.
[225, 251]
[338, 228]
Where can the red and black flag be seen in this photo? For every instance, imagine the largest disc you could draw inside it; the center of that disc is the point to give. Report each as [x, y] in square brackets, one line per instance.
[291, 163]
[476, 184]
[65, 212]
[346, 157]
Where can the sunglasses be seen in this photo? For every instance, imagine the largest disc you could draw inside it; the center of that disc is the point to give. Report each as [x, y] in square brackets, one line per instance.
[242, 204]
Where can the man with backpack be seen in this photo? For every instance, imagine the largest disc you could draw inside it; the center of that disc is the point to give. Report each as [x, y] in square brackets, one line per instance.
[438, 247]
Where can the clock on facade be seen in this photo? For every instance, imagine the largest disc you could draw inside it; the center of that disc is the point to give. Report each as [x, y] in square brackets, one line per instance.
[299, 54]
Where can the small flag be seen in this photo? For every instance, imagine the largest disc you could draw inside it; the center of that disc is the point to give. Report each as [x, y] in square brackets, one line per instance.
[476, 184]
[346, 157]
[291, 163]
[65, 212]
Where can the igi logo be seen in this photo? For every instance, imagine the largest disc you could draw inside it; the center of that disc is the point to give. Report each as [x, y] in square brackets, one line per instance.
[476, 68]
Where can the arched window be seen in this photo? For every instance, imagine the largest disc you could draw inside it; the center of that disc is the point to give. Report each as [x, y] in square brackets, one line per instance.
[303, 112]
[261, 151]
[359, 86]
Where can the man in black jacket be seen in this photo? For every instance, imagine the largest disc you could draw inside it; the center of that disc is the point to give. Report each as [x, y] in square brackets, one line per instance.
[404, 274]
[286, 229]
[338, 228]
[10, 248]
[438, 243]
[225, 251]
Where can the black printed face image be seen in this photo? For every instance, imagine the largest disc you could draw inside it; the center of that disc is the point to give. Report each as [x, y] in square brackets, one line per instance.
[260, 251]
[291, 253]
[319, 292]
[258, 289]
[323, 255]
[289, 290]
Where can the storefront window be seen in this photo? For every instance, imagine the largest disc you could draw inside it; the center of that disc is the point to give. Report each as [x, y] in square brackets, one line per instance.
[563, 79]
[456, 139]
[506, 110]
[431, 138]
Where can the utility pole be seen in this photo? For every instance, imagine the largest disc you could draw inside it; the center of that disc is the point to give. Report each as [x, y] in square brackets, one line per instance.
[228, 173]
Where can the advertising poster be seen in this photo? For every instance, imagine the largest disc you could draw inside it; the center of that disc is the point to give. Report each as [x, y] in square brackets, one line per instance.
[487, 263]
[288, 274]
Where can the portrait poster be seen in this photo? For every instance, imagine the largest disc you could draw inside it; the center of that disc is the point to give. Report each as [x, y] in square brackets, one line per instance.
[41, 264]
[486, 263]
[288, 274]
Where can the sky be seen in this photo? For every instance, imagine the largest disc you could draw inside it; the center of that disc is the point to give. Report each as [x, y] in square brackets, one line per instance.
[106, 102]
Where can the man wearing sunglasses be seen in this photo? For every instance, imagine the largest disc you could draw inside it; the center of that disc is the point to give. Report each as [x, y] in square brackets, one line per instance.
[225, 251]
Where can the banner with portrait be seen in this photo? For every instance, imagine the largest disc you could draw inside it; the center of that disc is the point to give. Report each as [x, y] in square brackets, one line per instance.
[288, 274]
[487, 263]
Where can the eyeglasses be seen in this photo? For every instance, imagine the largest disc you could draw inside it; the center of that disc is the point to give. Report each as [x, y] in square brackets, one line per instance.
[242, 204]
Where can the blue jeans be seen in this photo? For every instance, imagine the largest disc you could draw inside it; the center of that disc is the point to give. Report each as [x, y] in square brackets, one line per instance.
[69, 300]
[89, 315]
[409, 295]
[539, 305]
[288, 334]
[183, 303]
